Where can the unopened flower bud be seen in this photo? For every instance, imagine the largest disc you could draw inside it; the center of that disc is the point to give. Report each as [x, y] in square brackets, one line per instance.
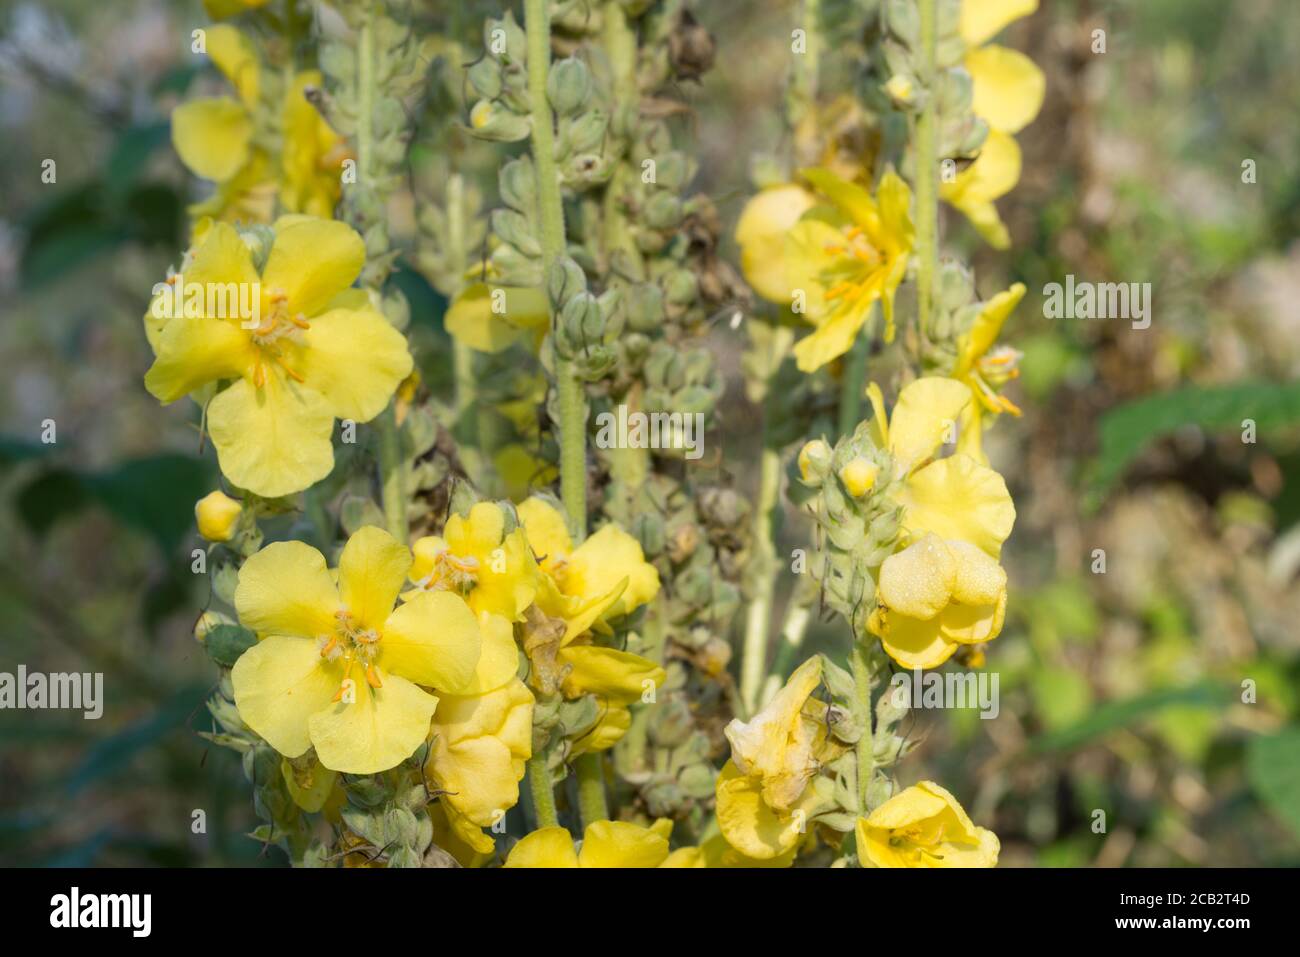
[216, 514]
[568, 86]
[814, 460]
[859, 476]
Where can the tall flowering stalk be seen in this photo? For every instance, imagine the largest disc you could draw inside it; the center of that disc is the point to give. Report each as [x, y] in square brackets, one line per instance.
[391, 685]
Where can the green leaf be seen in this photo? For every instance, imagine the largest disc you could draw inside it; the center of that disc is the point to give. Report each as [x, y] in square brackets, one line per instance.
[1122, 714]
[1273, 768]
[1128, 429]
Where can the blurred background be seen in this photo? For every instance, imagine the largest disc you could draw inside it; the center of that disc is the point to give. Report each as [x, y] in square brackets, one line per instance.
[1164, 691]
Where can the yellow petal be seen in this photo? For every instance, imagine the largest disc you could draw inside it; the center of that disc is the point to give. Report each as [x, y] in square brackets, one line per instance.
[748, 824]
[286, 589]
[992, 175]
[620, 844]
[473, 321]
[895, 199]
[616, 674]
[834, 337]
[479, 748]
[1008, 87]
[545, 847]
[984, 331]
[760, 233]
[853, 199]
[603, 560]
[810, 259]
[979, 580]
[499, 661]
[194, 352]
[279, 684]
[372, 571]
[356, 359]
[274, 440]
[548, 536]
[311, 159]
[212, 136]
[614, 723]
[379, 730]
[312, 261]
[983, 19]
[912, 642]
[958, 498]
[925, 415]
[433, 640]
[235, 57]
[918, 581]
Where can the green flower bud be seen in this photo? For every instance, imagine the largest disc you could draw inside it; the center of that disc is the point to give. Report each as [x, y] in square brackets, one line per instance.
[566, 280]
[518, 185]
[568, 86]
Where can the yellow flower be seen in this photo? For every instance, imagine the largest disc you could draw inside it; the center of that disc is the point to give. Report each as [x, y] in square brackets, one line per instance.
[761, 232]
[217, 514]
[220, 9]
[311, 160]
[1007, 94]
[604, 578]
[480, 744]
[312, 351]
[763, 797]
[934, 596]
[476, 557]
[954, 497]
[840, 259]
[492, 318]
[924, 826]
[214, 137]
[336, 667]
[984, 368]
[604, 844]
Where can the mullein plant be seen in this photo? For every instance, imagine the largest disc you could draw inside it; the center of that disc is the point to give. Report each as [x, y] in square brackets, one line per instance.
[469, 635]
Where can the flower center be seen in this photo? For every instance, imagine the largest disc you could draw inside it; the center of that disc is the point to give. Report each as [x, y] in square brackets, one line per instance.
[451, 573]
[277, 324]
[863, 261]
[354, 646]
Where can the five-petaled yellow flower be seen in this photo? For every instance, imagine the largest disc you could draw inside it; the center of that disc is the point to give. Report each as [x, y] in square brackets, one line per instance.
[954, 497]
[476, 557]
[337, 667]
[1007, 94]
[215, 138]
[831, 262]
[314, 350]
[924, 826]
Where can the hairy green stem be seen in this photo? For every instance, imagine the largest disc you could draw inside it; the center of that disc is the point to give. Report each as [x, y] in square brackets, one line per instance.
[590, 770]
[862, 686]
[572, 401]
[927, 196]
[855, 374]
[753, 663]
[541, 791]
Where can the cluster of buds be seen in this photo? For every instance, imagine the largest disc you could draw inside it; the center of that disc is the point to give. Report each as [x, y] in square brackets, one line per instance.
[370, 79]
[850, 492]
[907, 88]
